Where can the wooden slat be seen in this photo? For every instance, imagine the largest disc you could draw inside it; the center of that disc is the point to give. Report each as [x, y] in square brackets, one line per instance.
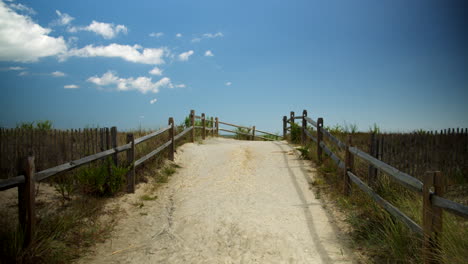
[451, 206]
[181, 134]
[312, 122]
[335, 140]
[310, 135]
[401, 177]
[268, 133]
[232, 131]
[198, 126]
[73, 164]
[332, 155]
[152, 153]
[144, 138]
[298, 117]
[11, 182]
[228, 124]
[197, 117]
[385, 204]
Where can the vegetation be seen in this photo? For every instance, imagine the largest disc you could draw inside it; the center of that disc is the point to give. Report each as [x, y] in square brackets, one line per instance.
[41, 125]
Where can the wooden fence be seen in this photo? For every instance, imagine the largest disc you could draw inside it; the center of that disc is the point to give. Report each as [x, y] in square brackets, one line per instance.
[431, 187]
[82, 147]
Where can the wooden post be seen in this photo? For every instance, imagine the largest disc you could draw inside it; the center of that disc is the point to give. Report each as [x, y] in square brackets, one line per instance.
[349, 166]
[304, 127]
[171, 138]
[253, 133]
[203, 125]
[131, 164]
[291, 115]
[114, 144]
[285, 121]
[26, 201]
[319, 138]
[432, 216]
[192, 122]
[212, 126]
[372, 173]
[217, 126]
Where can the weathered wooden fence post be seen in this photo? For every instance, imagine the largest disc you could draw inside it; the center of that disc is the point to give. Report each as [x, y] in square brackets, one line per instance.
[432, 216]
[372, 174]
[171, 138]
[212, 126]
[131, 164]
[114, 144]
[217, 126]
[349, 166]
[285, 122]
[203, 125]
[27, 201]
[319, 138]
[291, 115]
[253, 133]
[304, 127]
[192, 122]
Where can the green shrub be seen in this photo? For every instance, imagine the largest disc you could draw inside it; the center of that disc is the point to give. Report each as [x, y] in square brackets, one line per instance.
[97, 180]
[296, 132]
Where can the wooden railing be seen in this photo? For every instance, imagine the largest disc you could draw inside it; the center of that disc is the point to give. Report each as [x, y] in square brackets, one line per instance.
[251, 131]
[432, 187]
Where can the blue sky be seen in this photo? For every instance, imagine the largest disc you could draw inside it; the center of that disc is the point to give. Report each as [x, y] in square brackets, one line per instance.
[400, 64]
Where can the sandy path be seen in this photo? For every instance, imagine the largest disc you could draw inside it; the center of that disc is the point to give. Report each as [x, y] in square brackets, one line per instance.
[232, 202]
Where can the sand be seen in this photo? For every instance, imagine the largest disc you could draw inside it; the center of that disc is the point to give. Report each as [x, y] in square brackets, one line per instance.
[231, 202]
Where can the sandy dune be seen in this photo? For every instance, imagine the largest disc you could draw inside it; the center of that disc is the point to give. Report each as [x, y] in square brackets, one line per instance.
[231, 202]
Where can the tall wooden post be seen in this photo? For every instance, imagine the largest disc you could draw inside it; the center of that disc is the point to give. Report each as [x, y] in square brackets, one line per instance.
[204, 126]
[114, 144]
[171, 138]
[192, 122]
[217, 126]
[285, 122]
[432, 216]
[253, 133]
[319, 138]
[304, 127]
[131, 163]
[349, 166]
[372, 174]
[212, 126]
[27, 201]
[291, 115]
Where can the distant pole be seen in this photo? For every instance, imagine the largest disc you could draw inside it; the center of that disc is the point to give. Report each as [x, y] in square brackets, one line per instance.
[304, 127]
[217, 127]
[171, 138]
[204, 126]
[253, 133]
[319, 138]
[192, 122]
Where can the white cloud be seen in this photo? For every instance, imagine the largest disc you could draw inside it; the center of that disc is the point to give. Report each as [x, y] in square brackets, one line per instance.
[126, 52]
[63, 19]
[153, 101]
[208, 53]
[178, 35]
[185, 55]
[13, 68]
[141, 84]
[180, 86]
[22, 8]
[24, 73]
[23, 40]
[58, 74]
[156, 71]
[71, 86]
[215, 35]
[157, 35]
[196, 40]
[228, 83]
[106, 30]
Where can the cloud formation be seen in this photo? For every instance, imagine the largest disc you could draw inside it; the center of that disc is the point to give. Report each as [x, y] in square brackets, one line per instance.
[157, 35]
[228, 83]
[71, 86]
[106, 30]
[141, 84]
[155, 71]
[57, 74]
[208, 36]
[126, 52]
[63, 19]
[185, 55]
[22, 8]
[178, 35]
[23, 40]
[208, 53]
[153, 101]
